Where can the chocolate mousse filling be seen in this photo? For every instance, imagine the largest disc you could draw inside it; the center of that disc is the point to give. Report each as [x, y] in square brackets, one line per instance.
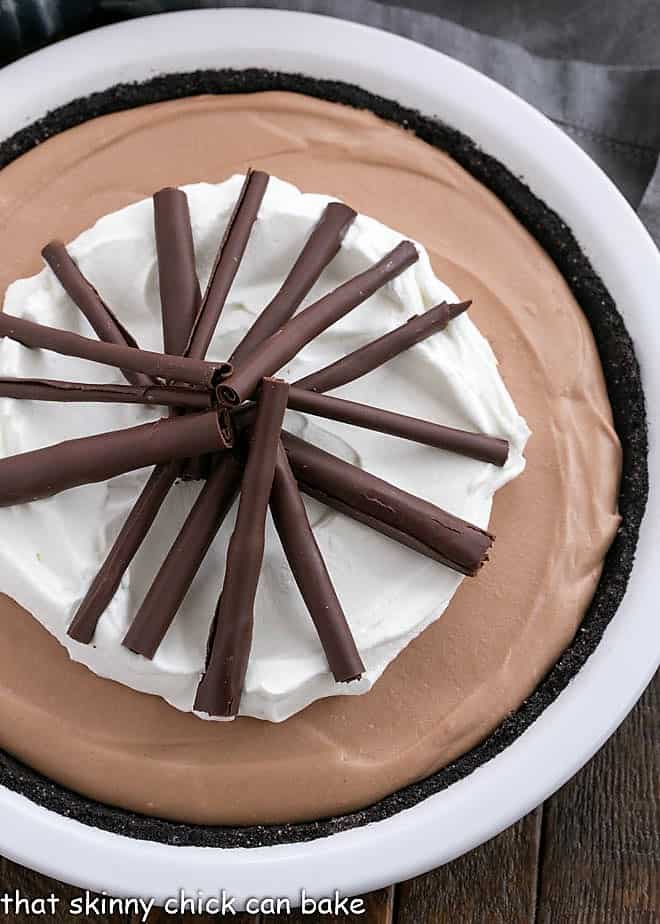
[452, 698]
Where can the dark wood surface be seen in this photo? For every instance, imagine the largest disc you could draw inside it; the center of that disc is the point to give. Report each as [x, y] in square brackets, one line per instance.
[590, 855]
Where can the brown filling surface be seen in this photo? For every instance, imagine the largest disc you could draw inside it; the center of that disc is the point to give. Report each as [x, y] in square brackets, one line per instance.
[502, 631]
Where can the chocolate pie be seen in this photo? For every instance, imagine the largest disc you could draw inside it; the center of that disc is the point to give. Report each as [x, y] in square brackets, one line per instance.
[416, 667]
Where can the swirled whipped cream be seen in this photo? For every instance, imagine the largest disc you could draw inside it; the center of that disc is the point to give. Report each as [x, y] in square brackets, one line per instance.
[51, 550]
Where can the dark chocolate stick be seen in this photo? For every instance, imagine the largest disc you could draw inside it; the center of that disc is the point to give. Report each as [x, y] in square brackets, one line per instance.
[473, 445]
[180, 295]
[107, 327]
[410, 520]
[220, 688]
[54, 390]
[130, 538]
[227, 262]
[322, 246]
[41, 473]
[311, 574]
[374, 354]
[182, 563]
[158, 365]
[282, 346]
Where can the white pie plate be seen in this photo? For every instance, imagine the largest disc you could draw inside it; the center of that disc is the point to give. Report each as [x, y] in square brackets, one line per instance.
[589, 710]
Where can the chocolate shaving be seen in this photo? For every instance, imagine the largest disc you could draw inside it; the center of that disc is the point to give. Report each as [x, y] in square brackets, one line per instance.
[410, 520]
[282, 346]
[227, 262]
[356, 364]
[106, 326]
[473, 445]
[220, 688]
[180, 295]
[179, 396]
[130, 538]
[182, 563]
[40, 473]
[158, 365]
[311, 574]
[321, 247]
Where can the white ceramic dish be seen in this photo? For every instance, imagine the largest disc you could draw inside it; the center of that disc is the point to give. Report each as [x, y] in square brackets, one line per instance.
[587, 712]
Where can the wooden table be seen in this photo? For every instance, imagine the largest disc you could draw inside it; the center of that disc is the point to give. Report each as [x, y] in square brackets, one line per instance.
[590, 855]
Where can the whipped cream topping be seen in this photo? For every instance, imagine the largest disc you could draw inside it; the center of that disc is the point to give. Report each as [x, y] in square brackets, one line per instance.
[52, 549]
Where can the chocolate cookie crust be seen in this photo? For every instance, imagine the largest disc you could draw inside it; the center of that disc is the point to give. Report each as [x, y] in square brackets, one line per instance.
[625, 393]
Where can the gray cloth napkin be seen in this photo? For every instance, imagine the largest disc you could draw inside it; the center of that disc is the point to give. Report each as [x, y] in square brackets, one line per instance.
[593, 68]
[612, 110]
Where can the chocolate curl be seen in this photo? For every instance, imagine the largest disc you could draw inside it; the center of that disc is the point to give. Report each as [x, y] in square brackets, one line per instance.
[40, 473]
[182, 563]
[374, 354]
[322, 246]
[157, 365]
[227, 262]
[130, 538]
[180, 295]
[282, 346]
[473, 445]
[107, 327]
[220, 688]
[311, 574]
[54, 390]
[410, 520]
[228, 259]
